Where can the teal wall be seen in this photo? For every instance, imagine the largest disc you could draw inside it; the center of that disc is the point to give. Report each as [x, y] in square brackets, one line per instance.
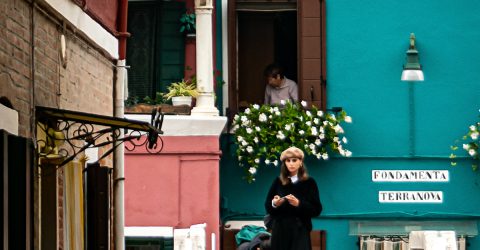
[396, 125]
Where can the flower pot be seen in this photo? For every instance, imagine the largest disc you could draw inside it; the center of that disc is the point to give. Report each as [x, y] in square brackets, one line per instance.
[181, 100]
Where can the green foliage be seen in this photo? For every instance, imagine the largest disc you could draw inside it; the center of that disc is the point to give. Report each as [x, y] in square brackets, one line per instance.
[134, 100]
[131, 101]
[182, 88]
[187, 21]
[470, 145]
[263, 132]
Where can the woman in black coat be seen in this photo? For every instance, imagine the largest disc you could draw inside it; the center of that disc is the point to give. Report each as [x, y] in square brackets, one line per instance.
[292, 201]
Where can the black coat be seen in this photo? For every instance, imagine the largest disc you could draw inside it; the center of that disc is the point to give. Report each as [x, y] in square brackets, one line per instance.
[292, 225]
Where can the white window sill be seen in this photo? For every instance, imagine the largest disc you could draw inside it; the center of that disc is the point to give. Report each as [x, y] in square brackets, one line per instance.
[187, 125]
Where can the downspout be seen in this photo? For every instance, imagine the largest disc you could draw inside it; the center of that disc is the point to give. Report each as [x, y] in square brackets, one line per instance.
[118, 173]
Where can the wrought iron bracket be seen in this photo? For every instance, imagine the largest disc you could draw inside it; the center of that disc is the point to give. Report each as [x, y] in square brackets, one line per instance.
[63, 134]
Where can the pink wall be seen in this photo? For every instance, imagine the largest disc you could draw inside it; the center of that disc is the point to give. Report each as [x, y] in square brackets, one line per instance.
[178, 187]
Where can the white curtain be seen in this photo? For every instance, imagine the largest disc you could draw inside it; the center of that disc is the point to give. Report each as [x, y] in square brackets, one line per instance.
[73, 206]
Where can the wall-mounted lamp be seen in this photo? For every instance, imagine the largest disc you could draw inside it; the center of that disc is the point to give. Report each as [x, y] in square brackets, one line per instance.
[412, 70]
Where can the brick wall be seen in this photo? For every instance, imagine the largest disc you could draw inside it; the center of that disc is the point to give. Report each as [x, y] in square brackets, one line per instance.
[84, 82]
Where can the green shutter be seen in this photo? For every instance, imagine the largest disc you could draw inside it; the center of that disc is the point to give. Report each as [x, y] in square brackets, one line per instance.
[171, 45]
[140, 49]
[156, 48]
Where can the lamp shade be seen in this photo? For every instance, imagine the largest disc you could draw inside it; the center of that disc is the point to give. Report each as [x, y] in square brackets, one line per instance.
[412, 70]
[412, 75]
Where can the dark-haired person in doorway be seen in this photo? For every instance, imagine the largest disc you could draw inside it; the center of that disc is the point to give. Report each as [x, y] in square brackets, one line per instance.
[292, 201]
[278, 86]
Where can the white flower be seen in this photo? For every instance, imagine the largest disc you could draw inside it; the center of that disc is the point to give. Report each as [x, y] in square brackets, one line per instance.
[308, 113]
[321, 136]
[325, 123]
[252, 170]
[287, 127]
[473, 128]
[262, 117]
[338, 129]
[472, 152]
[249, 130]
[325, 156]
[344, 139]
[348, 153]
[271, 110]
[239, 138]
[466, 146]
[257, 160]
[243, 118]
[276, 109]
[275, 162]
[318, 142]
[309, 123]
[318, 156]
[282, 102]
[301, 132]
[255, 139]
[267, 161]
[239, 158]
[247, 111]
[312, 146]
[335, 139]
[280, 135]
[348, 119]
[322, 130]
[304, 103]
[314, 131]
[255, 106]
[474, 135]
[257, 128]
[244, 143]
[320, 113]
[316, 120]
[277, 113]
[249, 149]
[270, 116]
[236, 117]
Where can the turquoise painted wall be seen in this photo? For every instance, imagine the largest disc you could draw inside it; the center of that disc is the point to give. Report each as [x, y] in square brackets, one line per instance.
[396, 125]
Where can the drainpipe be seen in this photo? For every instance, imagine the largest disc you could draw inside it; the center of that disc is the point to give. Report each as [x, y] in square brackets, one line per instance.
[118, 173]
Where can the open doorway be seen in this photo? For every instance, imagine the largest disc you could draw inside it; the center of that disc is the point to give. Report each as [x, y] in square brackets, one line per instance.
[262, 38]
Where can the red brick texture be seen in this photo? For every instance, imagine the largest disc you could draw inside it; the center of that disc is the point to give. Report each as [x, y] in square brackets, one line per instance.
[85, 84]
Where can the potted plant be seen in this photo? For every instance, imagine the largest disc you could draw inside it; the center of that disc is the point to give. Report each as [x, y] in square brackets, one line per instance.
[182, 92]
[262, 132]
[187, 21]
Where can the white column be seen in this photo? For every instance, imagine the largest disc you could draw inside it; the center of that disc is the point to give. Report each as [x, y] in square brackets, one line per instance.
[205, 104]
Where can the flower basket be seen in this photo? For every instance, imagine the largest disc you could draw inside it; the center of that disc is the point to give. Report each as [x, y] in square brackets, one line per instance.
[263, 132]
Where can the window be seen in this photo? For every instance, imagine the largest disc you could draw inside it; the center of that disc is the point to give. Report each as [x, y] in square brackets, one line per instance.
[291, 33]
[156, 48]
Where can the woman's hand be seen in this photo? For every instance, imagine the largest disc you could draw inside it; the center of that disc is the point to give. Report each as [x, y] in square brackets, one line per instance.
[292, 200]
[277, 200]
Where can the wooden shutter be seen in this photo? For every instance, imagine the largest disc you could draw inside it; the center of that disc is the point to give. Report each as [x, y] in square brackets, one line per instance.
[140, 49]
[232, 61]
[311, 52]
[170, 46]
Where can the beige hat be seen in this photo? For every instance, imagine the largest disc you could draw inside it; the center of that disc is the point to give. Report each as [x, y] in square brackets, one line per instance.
[291, 152]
